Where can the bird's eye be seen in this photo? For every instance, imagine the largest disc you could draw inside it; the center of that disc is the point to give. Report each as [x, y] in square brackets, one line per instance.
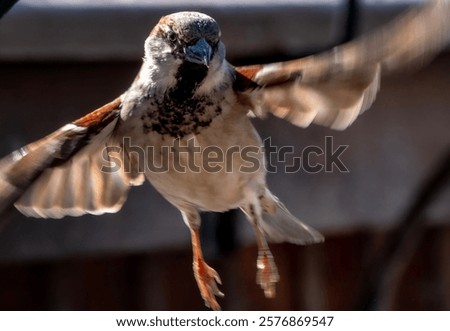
[171, 36]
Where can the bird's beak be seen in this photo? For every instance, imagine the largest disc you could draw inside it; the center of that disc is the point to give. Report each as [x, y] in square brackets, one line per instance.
[199, 53]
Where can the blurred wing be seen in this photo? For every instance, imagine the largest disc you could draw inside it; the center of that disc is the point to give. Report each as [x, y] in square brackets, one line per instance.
[334, 87]
[75, 170]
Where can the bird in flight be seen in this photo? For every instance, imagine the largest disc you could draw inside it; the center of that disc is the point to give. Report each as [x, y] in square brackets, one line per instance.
[188, 105]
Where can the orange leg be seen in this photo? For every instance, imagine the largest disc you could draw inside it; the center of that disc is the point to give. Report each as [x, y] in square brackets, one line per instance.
[207, 278]
[267, 273]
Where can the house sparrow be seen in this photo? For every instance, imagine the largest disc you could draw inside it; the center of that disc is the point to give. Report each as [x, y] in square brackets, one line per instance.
[189, 101]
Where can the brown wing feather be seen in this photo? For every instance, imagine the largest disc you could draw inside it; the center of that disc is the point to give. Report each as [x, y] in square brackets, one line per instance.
[334, 87]
[61, 174]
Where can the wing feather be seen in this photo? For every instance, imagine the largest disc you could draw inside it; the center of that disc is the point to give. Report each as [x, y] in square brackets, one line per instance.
[334, 87]
[69, 172]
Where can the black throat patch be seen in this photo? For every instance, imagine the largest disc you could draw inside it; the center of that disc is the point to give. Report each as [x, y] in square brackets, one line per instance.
[179, 112]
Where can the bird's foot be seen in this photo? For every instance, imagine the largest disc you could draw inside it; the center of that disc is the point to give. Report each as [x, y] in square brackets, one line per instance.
[207, 279]
[267, 275]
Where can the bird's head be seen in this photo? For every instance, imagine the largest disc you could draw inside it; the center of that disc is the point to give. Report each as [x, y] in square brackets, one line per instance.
[185, 44]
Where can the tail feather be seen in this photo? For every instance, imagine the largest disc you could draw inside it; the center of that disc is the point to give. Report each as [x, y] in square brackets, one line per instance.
[281, 226]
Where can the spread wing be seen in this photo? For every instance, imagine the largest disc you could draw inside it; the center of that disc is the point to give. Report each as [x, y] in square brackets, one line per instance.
[334, 87]
[75, 170]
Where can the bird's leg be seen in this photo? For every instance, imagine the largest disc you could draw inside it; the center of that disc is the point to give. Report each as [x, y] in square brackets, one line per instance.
[207, 278]
[267, 273]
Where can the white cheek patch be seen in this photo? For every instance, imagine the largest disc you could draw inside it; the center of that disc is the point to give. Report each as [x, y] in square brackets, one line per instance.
[159, 69]
[213, 79]
[163, 48]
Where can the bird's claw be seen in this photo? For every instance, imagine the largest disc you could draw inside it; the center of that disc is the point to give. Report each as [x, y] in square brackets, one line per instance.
[207, 279]
[267, 275]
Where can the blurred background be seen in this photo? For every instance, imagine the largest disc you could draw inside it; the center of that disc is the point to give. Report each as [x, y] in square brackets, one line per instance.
[386, 220]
